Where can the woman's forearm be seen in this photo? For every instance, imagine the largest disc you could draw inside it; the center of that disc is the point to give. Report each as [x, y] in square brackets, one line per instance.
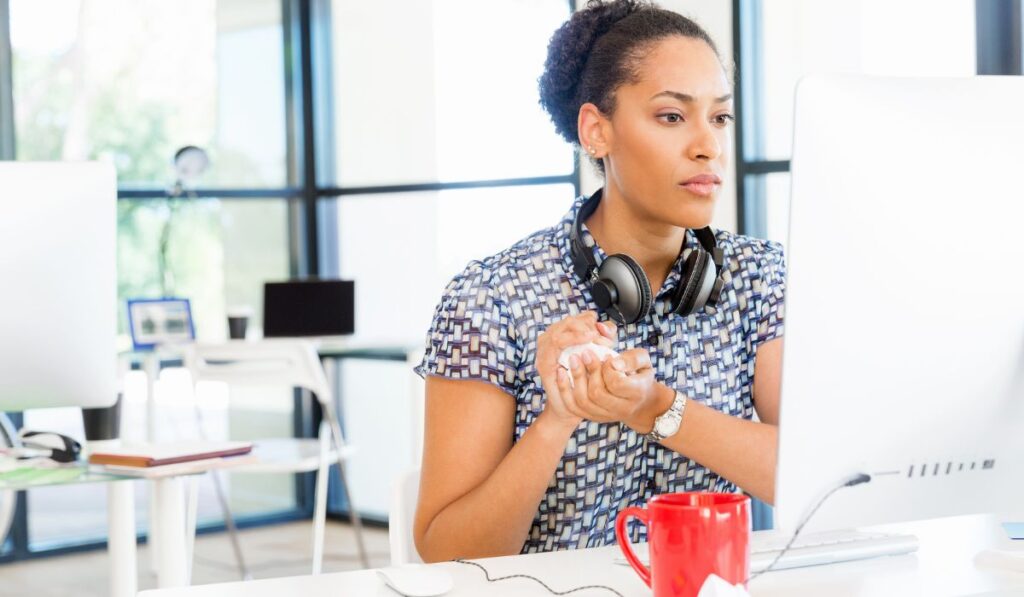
[742, 451]
[494, 518]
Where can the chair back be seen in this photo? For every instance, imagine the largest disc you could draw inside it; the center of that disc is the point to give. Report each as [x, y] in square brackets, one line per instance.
[404, 495]
[284, 362]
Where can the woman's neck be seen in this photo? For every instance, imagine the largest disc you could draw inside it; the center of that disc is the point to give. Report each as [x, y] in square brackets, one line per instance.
[618, 228]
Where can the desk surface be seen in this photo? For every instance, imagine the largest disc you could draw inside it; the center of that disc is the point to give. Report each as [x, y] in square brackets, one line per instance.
[334, 347]
[28, 476]
[943, 566]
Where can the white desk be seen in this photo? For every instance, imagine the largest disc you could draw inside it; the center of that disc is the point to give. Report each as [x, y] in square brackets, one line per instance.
[943, 566]
[120, 514]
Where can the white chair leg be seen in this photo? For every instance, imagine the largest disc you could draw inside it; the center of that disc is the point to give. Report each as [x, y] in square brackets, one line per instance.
[320, 505]
[357, 522]
[191, 515]
[229, 519]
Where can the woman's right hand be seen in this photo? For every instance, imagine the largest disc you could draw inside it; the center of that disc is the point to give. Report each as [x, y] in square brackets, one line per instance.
[571, 331]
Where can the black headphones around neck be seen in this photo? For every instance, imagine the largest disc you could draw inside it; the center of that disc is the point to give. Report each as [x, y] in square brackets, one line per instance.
[620, 286]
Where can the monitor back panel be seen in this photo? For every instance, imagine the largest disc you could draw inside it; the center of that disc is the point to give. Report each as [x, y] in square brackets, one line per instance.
[904, 332]
[58, 287]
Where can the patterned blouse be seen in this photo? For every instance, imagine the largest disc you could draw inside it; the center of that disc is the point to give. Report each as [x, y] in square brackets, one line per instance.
[486, 328]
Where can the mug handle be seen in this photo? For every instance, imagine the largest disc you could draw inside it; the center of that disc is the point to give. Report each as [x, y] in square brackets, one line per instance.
[626, 546]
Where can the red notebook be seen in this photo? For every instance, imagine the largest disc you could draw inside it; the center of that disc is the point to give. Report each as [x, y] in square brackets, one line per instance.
[147, 455]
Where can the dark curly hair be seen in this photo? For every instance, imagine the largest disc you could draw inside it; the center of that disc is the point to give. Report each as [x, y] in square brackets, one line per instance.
[599, 49]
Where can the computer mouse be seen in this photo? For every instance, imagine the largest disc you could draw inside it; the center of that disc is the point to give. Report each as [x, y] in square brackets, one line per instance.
[417, 580]
[55, 446]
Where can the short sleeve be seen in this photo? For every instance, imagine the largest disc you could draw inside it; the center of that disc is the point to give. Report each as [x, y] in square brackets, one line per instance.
[770, 294]
[472, 335]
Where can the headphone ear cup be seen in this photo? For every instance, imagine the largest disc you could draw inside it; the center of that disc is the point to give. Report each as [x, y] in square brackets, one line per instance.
[640, 284]
[692, 282]
[632, 298]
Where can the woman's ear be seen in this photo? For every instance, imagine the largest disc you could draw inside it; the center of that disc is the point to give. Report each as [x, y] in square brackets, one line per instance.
[594, 130]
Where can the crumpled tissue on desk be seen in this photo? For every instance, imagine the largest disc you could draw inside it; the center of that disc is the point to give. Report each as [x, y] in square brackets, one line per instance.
[716, 586]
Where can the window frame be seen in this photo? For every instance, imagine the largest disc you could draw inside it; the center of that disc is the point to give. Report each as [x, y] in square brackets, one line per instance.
[999, 52]
[313, 243]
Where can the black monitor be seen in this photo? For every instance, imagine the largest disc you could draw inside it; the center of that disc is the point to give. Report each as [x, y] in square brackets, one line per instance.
[308, 308]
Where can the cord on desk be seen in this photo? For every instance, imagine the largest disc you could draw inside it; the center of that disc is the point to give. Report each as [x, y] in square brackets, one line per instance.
[487, 575]
[855, 480]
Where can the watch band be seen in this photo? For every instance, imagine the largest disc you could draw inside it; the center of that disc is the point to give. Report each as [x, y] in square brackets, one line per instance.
[668, 423]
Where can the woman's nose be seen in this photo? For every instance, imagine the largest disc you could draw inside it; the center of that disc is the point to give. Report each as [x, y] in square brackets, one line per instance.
[704, 145]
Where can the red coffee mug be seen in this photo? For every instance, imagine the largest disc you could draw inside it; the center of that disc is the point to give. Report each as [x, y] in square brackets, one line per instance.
[690, 536]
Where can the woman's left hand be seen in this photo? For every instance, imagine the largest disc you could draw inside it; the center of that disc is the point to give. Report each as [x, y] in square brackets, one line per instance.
[622, 388]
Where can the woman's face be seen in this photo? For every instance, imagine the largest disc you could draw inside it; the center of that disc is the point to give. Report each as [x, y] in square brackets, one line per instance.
[670, 126]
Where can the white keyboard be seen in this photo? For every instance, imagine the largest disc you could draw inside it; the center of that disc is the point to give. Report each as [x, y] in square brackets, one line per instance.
[812, 549]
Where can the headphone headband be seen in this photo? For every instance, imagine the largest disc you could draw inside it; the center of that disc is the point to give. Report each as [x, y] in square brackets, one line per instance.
[586, 268]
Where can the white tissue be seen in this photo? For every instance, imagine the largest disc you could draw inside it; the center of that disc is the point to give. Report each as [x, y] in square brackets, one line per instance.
[603, 353]
[716, 586]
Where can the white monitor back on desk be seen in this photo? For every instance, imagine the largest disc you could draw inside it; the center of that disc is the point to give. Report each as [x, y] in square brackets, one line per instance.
[58, 287]
[904, 339]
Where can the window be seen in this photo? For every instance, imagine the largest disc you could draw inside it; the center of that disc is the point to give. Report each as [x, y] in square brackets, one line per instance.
[130, 82]
[421, 130]
[442, 148]
[442, 94]
[783, 40]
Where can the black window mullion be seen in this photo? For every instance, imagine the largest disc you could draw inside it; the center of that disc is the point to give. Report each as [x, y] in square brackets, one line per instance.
[998, 29]
[747, 57]
[305, 24]
[300, 152]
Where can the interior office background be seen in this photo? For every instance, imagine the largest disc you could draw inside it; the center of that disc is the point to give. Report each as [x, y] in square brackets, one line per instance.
[384, 142]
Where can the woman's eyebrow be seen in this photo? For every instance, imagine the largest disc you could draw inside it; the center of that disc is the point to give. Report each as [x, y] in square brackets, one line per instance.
[687, 98]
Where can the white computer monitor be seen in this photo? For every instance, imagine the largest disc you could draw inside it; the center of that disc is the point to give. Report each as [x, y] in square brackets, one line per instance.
[904, 339]
[58, 288]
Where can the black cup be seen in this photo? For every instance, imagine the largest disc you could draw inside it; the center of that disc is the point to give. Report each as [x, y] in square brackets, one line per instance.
[236, 326]
[102, 423]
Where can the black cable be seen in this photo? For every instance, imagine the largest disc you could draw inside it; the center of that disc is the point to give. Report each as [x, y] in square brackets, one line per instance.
[550, 590]
[856, 480]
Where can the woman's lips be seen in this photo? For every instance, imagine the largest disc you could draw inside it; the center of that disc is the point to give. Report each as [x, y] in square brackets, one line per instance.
[701, 189]
[702, 185]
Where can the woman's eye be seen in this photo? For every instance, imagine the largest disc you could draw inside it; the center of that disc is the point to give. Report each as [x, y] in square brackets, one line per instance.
[724, 119]
[671, 118]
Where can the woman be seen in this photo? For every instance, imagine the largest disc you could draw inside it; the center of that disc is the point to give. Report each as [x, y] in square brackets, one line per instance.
[518, 457]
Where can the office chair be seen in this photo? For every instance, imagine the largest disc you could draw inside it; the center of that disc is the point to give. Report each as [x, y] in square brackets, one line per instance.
[404, 494]
[292, 363]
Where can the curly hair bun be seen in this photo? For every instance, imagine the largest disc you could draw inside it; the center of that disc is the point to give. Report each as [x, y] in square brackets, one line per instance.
[599, 49]
[568, 51]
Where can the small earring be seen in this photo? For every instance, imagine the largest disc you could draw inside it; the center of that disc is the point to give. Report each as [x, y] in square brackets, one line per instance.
[590, 148]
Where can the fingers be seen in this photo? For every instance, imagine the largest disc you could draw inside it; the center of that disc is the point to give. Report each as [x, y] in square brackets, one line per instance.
[633, 361]
[585, 368]
[608, 329]
[598, 396]
[585, 328]
[566, 390]
[624, 383]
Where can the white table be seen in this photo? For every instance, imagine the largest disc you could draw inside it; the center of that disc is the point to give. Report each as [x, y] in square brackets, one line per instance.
[120, 514]
[943, 566]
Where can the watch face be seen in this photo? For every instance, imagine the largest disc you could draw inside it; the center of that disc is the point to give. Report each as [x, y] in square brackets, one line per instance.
[667, 426]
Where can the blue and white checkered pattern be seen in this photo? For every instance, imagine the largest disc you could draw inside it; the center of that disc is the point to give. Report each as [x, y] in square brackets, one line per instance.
[486, 328]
